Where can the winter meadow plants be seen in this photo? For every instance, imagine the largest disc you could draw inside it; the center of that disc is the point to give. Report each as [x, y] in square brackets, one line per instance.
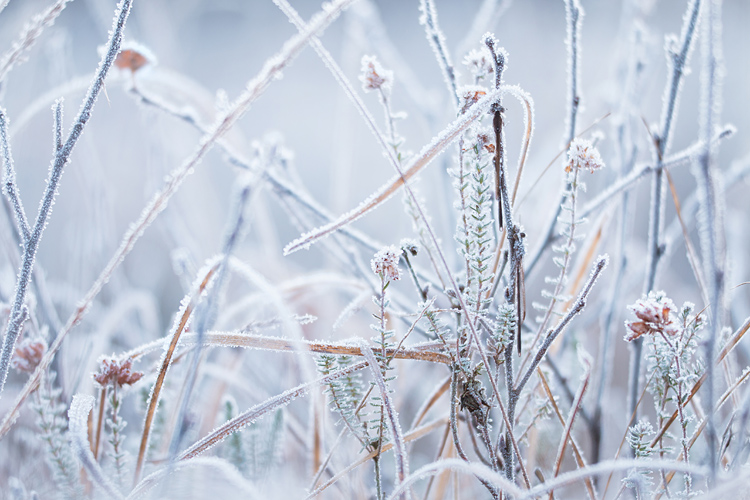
[429, 249]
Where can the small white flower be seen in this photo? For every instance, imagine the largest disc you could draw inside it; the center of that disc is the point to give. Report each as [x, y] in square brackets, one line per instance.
[583, 154]
[374, 76]
[385, 263]
[479, 62]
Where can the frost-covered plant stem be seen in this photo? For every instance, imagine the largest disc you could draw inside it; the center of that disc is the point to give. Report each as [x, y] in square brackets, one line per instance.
[59, 162]
[10, 189]
[567, 250]
[437, 41]
[712, 233]
[205, 316]
[573, 18]
[578, 306]
[678, 58]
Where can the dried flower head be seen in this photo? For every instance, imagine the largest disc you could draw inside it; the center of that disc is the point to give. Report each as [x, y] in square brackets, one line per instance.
[470, 95]
[374, 76]
[479, 62]
[657, 316]
[113, 370]
[583, 154]
[385, 263]
[134, 56]
[28, 354]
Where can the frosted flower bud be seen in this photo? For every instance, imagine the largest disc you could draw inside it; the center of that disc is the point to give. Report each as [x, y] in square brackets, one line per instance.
[374, 76]
[28, 354]
[479, 62]
[656, 315]
[385, 263]
[583, 154]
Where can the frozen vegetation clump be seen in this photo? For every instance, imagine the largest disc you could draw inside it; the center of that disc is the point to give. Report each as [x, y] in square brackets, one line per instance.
[510, 328]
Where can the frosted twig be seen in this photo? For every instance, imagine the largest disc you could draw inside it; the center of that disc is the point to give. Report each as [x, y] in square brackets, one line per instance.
[257, 411]
[678, 57]
[428, 153]
[437, 41]
[571, 418]
[9, 181]
[574, 19]
[709, 185]
[28, 37]
[577, 307]
[205, 316]
[58, 113]
[158, 203]
[579, 457]
[60, 160]
[626, 182]
[153, 401]
[78, 418]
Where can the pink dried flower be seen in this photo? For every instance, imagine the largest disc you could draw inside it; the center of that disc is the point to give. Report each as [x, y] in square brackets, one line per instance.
[385, 263]
[374, 76]
[583, 154]
[28, 354]
[656, 317]
[113, 370]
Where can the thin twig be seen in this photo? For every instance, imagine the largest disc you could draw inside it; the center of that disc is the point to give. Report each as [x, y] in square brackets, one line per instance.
[32, 244]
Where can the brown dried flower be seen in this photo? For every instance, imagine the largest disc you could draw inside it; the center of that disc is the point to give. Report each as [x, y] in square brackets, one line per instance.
[655, 315]
[28, 354]
[113, 370]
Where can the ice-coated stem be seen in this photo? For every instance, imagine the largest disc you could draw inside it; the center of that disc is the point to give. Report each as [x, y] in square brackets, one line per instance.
[59, 162]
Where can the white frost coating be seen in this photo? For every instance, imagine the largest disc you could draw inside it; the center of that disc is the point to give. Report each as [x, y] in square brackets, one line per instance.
[477, 469]
[426, 155]
[78, 416]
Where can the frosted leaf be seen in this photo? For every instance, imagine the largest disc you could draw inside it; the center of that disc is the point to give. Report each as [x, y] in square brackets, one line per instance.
[78, 418]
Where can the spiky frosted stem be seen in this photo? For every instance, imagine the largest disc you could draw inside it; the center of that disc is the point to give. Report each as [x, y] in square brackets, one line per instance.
[59, 162]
